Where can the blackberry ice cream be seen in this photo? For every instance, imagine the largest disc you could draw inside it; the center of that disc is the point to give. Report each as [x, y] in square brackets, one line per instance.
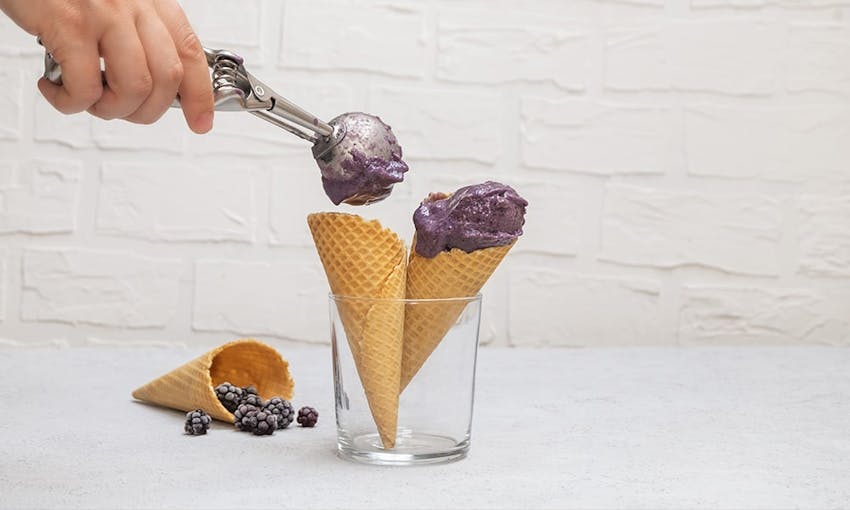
[367, 162]
[472, 218]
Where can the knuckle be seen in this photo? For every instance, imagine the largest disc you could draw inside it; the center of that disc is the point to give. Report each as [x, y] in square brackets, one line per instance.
[78, 100]
[100, 112]
[88, 96]
[147, 118]
[188, 45]
[64, 108]
[174, 73]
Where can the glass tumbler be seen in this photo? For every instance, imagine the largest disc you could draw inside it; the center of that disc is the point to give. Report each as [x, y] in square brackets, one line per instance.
[421, 352]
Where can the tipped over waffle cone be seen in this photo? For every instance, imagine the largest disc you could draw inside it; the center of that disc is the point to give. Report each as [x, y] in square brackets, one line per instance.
[451, 274]
[364, 260]
[241, 362]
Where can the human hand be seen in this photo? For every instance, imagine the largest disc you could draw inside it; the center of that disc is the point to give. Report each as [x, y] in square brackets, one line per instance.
[150, 52]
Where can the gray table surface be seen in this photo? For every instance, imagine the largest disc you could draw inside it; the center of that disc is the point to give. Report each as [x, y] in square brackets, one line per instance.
[568, 428]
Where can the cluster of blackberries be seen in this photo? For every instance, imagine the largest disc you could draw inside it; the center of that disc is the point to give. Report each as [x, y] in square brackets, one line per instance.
[251, 413]
[259, 421]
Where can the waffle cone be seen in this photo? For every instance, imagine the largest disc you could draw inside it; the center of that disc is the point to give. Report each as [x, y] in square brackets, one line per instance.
[450, 274]
[241, 362]
[364, 260]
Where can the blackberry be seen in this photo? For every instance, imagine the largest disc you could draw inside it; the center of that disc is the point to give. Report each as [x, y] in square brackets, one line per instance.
[266, 422]
[307, 416]
[282, 409]
[255, 420]
[249, 390]
[197, 422]
[229, 395]
[252, 399]
[243, 419]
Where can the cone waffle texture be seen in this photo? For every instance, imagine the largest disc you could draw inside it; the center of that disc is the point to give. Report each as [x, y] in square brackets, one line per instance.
[242, 362]
[362, 259]
[450, 274]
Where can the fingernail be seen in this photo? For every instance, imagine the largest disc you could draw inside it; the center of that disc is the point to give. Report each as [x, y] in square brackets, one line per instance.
[204, 122]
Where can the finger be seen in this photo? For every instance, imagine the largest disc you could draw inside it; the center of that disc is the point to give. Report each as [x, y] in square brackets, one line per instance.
[82, 84]
[128, 80]
[195, 90]
[165, 68]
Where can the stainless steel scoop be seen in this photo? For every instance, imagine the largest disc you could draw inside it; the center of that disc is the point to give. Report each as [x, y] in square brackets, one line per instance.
[235, 89]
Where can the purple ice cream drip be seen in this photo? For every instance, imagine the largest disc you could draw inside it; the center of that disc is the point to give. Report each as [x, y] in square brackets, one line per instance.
[473, 217]
[364, 175]
[368, 163]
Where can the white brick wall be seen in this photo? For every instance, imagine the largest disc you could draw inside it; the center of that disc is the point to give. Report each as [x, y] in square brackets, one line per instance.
[116, 289]
[687, 164]
[724, 314]
[432, 121]
[584, 308]
[150, 201]
[567, 135]
[39, 197]
[737, 232]
[373, 36]
[493, 46]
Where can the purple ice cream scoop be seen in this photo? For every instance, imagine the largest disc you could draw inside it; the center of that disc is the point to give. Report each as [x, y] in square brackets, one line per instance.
[365, 164]
[473, 217]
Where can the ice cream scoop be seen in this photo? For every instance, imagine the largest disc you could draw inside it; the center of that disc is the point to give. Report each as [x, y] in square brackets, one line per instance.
[473, 217]
[363, 166]
[357, 153]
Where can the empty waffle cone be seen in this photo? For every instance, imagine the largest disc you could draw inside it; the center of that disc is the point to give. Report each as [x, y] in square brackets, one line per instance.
[451, 274]
[241, 362]
[362, 259]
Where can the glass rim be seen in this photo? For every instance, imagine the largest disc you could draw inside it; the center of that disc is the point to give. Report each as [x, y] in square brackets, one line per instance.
[460, 299]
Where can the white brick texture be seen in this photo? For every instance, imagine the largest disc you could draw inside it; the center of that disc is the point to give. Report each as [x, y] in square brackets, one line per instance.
[668, 228]
[14, 41]
[237, 26]
[495, 49]
[814, 48]
[10, 101]
[825, 236]
[293, 297]
[112, 135]
[740, 56]
[113, 289]
[760, 3]
[726, 314]
[150, 201]
[556, 308]
[770, 143]
[39, 197]
[357, 35]
[73, 131]
[288, 211]
[551, 226]
[3, 285]
[570, 136]
[686, 164]
[431, 121]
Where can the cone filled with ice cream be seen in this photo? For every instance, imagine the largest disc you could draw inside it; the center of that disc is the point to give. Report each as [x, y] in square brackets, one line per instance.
[460, 240]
